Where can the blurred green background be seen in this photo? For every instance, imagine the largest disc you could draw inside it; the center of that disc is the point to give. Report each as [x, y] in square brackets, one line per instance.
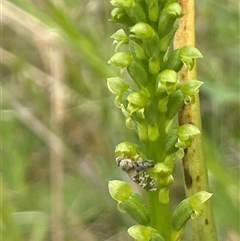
[60, 126]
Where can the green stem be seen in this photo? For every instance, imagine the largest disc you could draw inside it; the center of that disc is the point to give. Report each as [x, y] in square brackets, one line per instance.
[160, 215]
[159, 212]
[194, 165]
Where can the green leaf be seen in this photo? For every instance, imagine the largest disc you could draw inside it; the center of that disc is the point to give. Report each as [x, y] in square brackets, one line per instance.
[137, 13]
[188, 207]
[134, 205]
[181, 214]
[137, 50]
[167, 39]
[151, 46]
[175, 103]
[173, 61]
[138, 73]
[170, 141]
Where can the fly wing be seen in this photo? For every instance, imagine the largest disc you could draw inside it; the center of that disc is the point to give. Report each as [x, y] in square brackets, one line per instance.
[143, 179]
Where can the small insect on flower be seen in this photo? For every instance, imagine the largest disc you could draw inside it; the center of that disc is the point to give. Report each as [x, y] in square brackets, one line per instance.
[137, 172]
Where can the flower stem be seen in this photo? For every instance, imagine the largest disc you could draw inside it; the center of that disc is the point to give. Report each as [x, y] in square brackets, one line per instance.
[160, 215]
[159, 211]
[194, 166]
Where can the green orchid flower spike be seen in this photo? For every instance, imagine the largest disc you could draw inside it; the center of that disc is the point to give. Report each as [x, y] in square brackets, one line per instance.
[150, 103]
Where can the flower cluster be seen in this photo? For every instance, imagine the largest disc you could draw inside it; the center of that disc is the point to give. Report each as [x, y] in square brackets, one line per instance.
[148, 30]
[151, 100]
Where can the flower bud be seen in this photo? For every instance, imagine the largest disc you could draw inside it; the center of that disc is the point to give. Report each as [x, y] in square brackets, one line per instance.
[153, 10]
[117, 85]
[127, 149]
[167, 39]
[190, 87]
[188, 54]
[118, 101]
[186, 130]
[167, 80]
[119, 15]
[153, 132]
[167, 18]
[131, 108]
[140, 113]
[138, 98]
[122, 3]
[120, 37]
[196, 201]
[130, 123]
[162, 104]
[164, 195]
[186, 133]
[119, 190]
[140, 233]
[180, 153]
[142, 131]
[154, 65]
[121, 59]
[142, 30]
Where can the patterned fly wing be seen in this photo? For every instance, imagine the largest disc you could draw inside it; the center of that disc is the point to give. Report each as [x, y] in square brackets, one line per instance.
[143, 179]
[137, 172]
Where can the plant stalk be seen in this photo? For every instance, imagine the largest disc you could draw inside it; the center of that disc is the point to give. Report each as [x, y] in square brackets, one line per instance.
[57, 102]
[159, 212]
[194, 165]
[160, 215]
